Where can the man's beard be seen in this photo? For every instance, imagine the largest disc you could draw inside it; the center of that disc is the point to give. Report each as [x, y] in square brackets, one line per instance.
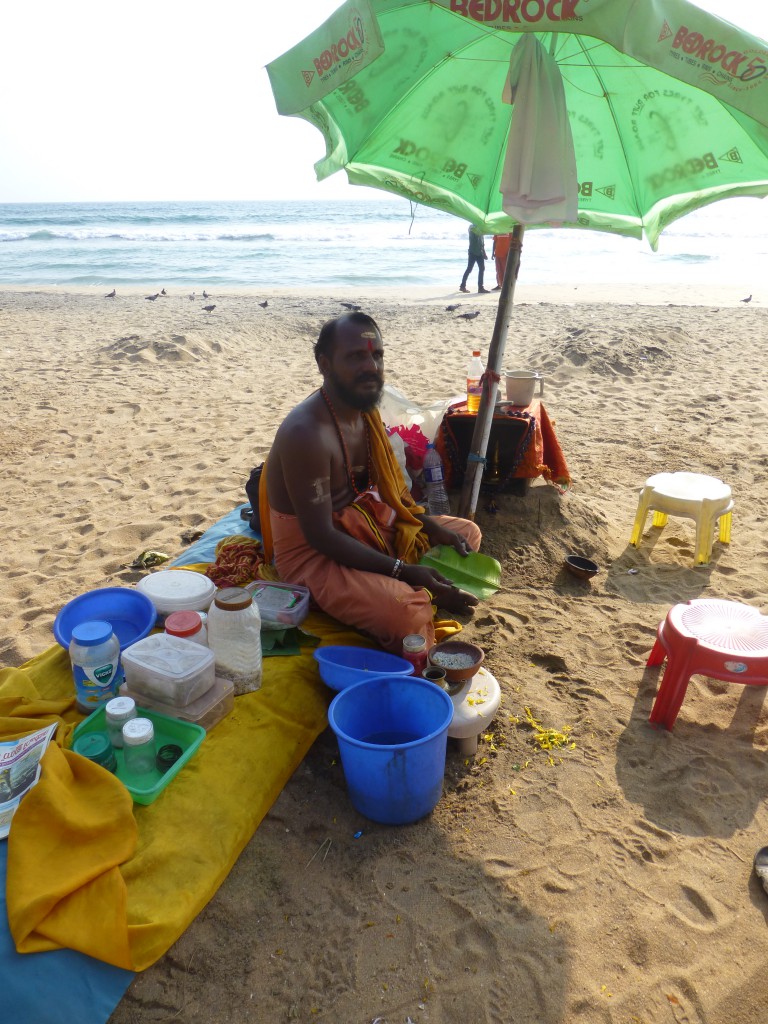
[364, 403]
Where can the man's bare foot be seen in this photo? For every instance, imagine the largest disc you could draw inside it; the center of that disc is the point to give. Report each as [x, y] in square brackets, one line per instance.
[455, 600]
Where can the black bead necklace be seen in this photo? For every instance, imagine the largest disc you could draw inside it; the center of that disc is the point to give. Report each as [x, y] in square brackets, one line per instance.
[347, 463]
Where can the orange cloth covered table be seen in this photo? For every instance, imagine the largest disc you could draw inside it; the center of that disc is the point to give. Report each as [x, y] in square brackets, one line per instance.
[522, 445]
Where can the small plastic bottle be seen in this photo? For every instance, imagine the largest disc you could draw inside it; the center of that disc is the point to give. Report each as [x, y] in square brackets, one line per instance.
[434, 483]
[94, 651]
[475, 371]
[415, 651]
[188, 626]
[139, 746]
[117, 712]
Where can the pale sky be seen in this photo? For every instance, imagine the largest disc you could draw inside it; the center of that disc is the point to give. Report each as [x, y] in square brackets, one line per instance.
[169, 99]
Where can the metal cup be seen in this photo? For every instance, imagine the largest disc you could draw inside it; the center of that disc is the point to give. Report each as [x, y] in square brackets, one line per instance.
[435, 675]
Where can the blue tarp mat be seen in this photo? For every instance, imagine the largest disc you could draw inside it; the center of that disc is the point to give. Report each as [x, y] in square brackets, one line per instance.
[204, 550]
[61, 985]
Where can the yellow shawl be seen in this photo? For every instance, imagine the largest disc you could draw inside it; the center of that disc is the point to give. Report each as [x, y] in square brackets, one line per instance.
[411, 541]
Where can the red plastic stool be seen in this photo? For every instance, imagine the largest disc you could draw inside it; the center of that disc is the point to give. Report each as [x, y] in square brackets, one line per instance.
[720, 639]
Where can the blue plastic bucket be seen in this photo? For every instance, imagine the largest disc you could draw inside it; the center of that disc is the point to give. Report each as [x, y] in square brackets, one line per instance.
[392, 733]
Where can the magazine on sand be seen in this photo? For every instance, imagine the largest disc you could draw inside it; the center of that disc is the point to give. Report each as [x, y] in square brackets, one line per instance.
[19, 771]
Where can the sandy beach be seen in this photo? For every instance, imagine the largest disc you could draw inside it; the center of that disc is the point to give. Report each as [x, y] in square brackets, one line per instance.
[606, 881]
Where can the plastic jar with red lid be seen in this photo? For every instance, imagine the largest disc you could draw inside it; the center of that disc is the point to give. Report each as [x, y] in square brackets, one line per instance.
[187, 625]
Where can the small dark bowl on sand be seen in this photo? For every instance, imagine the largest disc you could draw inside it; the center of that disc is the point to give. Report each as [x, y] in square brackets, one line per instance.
[583, 568]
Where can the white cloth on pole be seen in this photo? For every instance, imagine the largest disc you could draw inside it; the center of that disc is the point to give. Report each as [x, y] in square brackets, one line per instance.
[538, 181]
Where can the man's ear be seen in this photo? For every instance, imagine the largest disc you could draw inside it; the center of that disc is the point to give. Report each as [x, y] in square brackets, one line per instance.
[323, 364]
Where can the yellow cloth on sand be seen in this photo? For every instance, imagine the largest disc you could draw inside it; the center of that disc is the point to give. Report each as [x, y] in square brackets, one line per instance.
[89, 870]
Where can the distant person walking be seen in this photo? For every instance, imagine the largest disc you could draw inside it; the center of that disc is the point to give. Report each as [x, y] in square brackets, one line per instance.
[476, 256]
[500, 252]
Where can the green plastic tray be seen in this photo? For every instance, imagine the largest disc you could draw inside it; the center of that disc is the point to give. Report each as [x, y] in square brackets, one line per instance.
[147, 787]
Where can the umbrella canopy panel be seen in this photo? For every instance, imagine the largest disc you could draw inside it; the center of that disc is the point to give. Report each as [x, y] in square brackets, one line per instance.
[426, 120]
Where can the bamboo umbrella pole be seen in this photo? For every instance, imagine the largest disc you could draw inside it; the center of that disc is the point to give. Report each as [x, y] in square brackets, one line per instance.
[482, 432]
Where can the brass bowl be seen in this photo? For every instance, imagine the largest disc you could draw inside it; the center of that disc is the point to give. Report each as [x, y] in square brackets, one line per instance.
[440, 655]
[583, 568]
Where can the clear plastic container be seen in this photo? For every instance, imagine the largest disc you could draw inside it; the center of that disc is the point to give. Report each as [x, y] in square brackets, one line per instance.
[139, 746]
[280, 604]
[234, 636]
[94, 651]
[206, 711]
[119, 711]
[169, 669]
[188, 626]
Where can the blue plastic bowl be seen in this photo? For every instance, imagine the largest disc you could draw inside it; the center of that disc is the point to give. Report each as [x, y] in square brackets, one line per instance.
[341, 667]
[131, 614]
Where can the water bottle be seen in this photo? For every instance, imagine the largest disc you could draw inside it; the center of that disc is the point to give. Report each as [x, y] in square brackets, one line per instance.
[434, 482]
[475, 371]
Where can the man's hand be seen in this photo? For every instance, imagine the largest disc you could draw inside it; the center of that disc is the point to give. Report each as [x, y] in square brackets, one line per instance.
[446, 594]
[442, 535]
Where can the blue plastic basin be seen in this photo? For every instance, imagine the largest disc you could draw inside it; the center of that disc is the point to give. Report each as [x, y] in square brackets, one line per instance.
[130, 613]
[344, 666]
[392, 733]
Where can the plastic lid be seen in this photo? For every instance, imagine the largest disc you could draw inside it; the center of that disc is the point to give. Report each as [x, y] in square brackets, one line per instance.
[120, 707]
[89, 634]
[232, 599]
[183, 623]
[95, 746]
[430, 444]
[475, 351]
[173, 590]
[138, 731]
[167, 756]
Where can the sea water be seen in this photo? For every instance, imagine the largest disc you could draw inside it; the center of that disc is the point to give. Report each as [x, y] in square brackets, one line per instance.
[352, 244]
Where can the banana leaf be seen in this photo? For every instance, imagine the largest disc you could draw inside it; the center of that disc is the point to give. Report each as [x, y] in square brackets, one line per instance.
[478, 574]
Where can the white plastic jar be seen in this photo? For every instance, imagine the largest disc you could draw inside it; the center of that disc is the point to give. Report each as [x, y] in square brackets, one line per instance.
[139, 746]
[234, 636]
[188, 625]
[94, 651]
[117, 712]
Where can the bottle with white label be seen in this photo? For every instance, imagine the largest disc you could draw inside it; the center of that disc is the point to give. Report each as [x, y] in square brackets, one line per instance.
[94, 651]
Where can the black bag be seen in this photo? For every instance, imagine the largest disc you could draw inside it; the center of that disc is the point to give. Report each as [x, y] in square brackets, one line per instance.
[252, 493]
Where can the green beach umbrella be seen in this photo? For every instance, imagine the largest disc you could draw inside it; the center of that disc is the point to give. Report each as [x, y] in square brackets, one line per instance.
[630, 114]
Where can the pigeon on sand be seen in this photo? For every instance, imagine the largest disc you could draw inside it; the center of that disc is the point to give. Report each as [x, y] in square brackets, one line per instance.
[468, 316]
[209, 309]
[110, 295]
[352, 306]
[264, 304]
[748, 299]
[151, 298]
[454, 305]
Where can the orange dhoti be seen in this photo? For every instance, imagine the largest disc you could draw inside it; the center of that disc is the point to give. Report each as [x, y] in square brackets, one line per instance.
[386, 608]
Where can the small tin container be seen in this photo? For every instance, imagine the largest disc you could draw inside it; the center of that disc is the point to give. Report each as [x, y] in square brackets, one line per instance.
[435, 675]
[415, 651]
[117, 712]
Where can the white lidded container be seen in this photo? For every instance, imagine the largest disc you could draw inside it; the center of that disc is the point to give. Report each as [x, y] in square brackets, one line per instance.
[139, 746]
[117, 712]
[168, 669]
[177, 590]
[234, 635]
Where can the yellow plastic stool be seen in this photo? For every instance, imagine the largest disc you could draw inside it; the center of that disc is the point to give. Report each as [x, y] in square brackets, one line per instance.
[692, 496]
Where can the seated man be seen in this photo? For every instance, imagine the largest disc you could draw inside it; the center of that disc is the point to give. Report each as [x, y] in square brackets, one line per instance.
[342, 521]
